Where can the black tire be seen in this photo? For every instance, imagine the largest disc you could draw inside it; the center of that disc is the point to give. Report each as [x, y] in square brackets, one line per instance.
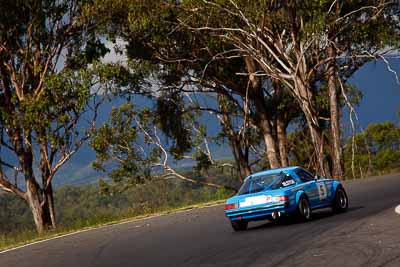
[340, 202]
[303, 211]
[240, 225]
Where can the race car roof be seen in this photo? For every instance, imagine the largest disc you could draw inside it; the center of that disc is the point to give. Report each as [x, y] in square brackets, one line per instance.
[276, 170]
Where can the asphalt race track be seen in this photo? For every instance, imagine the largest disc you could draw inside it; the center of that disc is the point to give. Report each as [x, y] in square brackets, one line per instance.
[204, 237]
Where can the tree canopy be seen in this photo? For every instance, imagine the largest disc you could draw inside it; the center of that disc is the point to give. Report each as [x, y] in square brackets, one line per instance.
[49, 94]
[273, 74]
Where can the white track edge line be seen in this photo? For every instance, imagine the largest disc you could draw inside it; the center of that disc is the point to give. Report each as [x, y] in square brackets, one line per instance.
[104, 226]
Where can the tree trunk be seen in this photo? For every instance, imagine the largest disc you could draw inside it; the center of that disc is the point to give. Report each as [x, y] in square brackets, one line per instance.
[47, 194]
[40, 209]
[241, 159]
[267, 133]
[33, 200]
[334, 110]
[50, 199]
[304, 94]
[281, 135]
[270, 144]
[317, 139]
[48, 206]
[313, 125]
[264, 122]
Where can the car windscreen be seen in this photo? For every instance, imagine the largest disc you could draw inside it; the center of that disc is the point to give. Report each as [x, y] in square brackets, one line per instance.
[259, 183]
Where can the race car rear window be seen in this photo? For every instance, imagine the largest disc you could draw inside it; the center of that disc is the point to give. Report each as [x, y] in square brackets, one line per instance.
[260, 182]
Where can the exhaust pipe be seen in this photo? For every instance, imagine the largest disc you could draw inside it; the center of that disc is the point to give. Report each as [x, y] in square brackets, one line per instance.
[276, 215]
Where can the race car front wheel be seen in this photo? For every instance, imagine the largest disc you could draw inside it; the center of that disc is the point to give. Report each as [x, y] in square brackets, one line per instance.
[303, 211]
[340, 202]
[240, 225]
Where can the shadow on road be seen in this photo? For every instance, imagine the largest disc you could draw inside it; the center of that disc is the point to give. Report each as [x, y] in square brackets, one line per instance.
[286, 221]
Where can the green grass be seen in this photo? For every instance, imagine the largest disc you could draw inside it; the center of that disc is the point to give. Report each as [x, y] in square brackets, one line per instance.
[27, 236]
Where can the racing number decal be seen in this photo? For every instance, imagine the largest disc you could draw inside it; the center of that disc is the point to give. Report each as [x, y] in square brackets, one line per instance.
[323, 193]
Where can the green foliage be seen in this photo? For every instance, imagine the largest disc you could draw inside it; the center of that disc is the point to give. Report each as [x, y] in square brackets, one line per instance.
[173, 120]
[116, 142]
[202, 162]
[300, 149]
[132, 149]
[377, 150]
[39, 96]
[53, 81]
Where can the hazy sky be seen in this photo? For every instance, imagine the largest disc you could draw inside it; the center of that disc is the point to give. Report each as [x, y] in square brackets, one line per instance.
[381, 99]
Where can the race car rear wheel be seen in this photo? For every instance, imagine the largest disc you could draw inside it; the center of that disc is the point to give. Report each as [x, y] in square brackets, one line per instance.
[303, 211]
[340, 202]
[240, 225]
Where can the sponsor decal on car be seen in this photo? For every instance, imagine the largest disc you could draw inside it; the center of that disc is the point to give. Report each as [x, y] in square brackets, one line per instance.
[288, 182]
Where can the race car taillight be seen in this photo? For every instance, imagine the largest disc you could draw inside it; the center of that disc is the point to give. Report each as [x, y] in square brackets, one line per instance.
[280, 198]
[230, 206]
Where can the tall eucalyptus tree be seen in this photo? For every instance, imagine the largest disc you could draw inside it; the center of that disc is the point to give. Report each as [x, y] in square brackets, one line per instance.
[49, 78]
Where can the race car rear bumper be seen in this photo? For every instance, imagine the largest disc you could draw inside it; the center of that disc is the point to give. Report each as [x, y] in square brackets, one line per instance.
[257, 213]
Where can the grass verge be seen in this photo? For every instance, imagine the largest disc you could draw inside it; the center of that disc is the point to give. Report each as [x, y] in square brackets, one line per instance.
[24, 237]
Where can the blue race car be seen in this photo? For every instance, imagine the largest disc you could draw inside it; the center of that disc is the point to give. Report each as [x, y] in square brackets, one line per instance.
[285, 191]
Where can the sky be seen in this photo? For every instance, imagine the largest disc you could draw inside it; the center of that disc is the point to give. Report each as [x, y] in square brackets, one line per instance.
[381, 92]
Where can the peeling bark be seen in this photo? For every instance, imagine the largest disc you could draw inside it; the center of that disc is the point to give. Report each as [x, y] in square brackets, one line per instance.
[42, 222]
[334, 113]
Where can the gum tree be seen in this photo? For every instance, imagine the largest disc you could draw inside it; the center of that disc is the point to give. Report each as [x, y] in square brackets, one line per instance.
[302, 44]
[298, 45]
[184, 61]
[48, 99]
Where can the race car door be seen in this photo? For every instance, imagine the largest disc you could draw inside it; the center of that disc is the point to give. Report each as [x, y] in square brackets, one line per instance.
[322, 192]
[314, 190]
